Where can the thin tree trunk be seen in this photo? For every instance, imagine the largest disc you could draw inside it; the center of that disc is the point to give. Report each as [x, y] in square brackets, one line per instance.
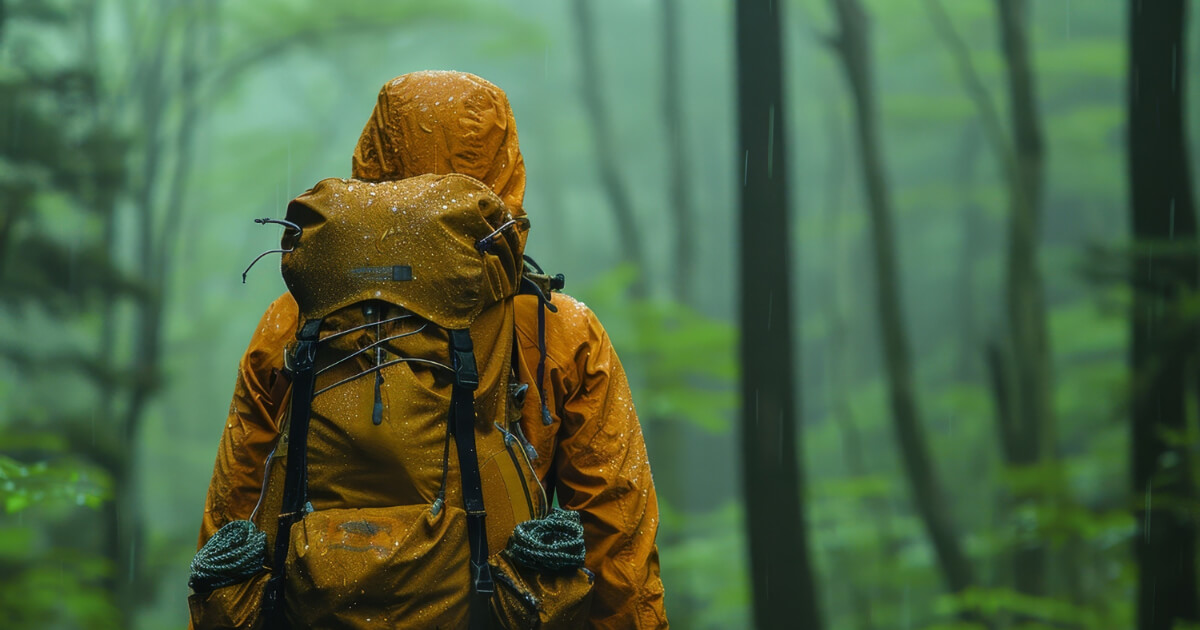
[1026, 415]
[852, 45]
[1026, 310]
[784, 590]
[606, 157]
[156, 252]
[125, 527]
[667, 437]
[679, 197]
[1162, 356]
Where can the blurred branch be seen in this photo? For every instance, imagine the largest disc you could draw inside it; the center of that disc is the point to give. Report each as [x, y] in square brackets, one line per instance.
[357, 20]
[100, 371]
[973, 84]
[59, 278]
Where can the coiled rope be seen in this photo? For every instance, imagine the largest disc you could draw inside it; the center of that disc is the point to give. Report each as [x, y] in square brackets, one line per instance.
[554, 543]
[237, 551]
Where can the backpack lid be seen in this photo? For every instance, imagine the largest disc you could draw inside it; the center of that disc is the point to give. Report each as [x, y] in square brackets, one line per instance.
[415, 243]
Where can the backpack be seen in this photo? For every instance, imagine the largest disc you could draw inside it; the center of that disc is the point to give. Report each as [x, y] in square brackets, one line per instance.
[405, 345]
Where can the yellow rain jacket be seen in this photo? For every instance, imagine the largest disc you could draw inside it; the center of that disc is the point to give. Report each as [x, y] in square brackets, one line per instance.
[592, 455]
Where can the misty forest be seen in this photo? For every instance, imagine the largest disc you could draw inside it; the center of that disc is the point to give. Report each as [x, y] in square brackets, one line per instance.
[908, 291]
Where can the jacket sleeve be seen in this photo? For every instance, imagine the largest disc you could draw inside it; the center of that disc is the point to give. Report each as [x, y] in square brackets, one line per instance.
[601, 469]
[251, 427]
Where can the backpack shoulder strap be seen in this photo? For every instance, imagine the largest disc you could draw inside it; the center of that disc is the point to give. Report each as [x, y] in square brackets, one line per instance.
[300, 360]
[462, 425]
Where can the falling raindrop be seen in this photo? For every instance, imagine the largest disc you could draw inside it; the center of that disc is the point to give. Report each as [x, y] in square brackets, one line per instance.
[771, 142]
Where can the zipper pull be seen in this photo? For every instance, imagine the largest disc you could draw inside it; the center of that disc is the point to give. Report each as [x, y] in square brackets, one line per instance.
[377, 413]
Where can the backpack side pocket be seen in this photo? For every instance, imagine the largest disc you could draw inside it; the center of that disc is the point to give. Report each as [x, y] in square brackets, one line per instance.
[228, 579]
[528, 599]
[233, 607]
[540, 577]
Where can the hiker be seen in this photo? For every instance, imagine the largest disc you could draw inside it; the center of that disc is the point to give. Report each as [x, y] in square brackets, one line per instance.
[577, 418]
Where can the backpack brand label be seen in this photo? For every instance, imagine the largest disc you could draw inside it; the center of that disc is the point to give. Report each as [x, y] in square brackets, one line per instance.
[395, 273]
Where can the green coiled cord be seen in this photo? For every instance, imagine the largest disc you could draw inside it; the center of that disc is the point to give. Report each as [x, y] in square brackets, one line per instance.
[237, 551]
[553, 543]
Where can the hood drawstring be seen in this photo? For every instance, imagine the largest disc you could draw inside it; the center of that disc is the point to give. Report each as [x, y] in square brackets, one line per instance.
[287, 224]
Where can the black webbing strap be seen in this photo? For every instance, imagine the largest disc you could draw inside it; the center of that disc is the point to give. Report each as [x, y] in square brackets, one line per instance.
[541, 366]
[462, 422]
[295, 485]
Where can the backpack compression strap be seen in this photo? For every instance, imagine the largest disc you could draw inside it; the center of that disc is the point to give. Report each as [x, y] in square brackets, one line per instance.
[295, 485]
[462, 423]
[295, 488]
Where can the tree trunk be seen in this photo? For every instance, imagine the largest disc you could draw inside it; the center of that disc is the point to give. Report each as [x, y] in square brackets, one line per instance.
[1022, 375]
[853, 49]
[679, 197]
[1163, 350]
[1034, 417]
[784, 591]
[156, 245]
[606, 156]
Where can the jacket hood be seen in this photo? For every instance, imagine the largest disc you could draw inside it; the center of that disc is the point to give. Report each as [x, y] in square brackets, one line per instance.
[438, 122]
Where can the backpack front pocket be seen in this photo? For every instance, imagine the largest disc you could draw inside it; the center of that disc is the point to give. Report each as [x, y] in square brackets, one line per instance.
[392, 567]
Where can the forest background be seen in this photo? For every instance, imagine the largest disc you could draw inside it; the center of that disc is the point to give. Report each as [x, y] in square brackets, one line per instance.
[140, 138]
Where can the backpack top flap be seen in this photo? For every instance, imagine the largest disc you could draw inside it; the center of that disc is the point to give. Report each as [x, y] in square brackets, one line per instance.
[442, 246]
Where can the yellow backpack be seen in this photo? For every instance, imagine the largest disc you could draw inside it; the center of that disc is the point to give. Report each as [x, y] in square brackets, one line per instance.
[405, 345]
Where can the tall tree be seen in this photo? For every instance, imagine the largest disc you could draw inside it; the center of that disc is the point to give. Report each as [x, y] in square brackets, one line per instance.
[1031, 425]
[780, 570]
[853, 48]
[679, 196]
[1020, 370]
[1163, 349]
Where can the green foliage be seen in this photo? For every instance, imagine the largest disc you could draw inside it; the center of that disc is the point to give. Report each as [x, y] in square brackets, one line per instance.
[25, 485]
[46, 580]
[681, 363]
[705, 570]
[62, 588]
[1042, 613]
[1084, 60]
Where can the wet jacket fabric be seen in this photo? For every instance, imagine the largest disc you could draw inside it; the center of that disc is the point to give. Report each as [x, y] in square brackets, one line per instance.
[592, 455]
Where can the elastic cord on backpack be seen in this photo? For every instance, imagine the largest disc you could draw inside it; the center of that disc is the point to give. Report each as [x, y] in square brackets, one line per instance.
[530, 287]
[543, 301]
[441, 495]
